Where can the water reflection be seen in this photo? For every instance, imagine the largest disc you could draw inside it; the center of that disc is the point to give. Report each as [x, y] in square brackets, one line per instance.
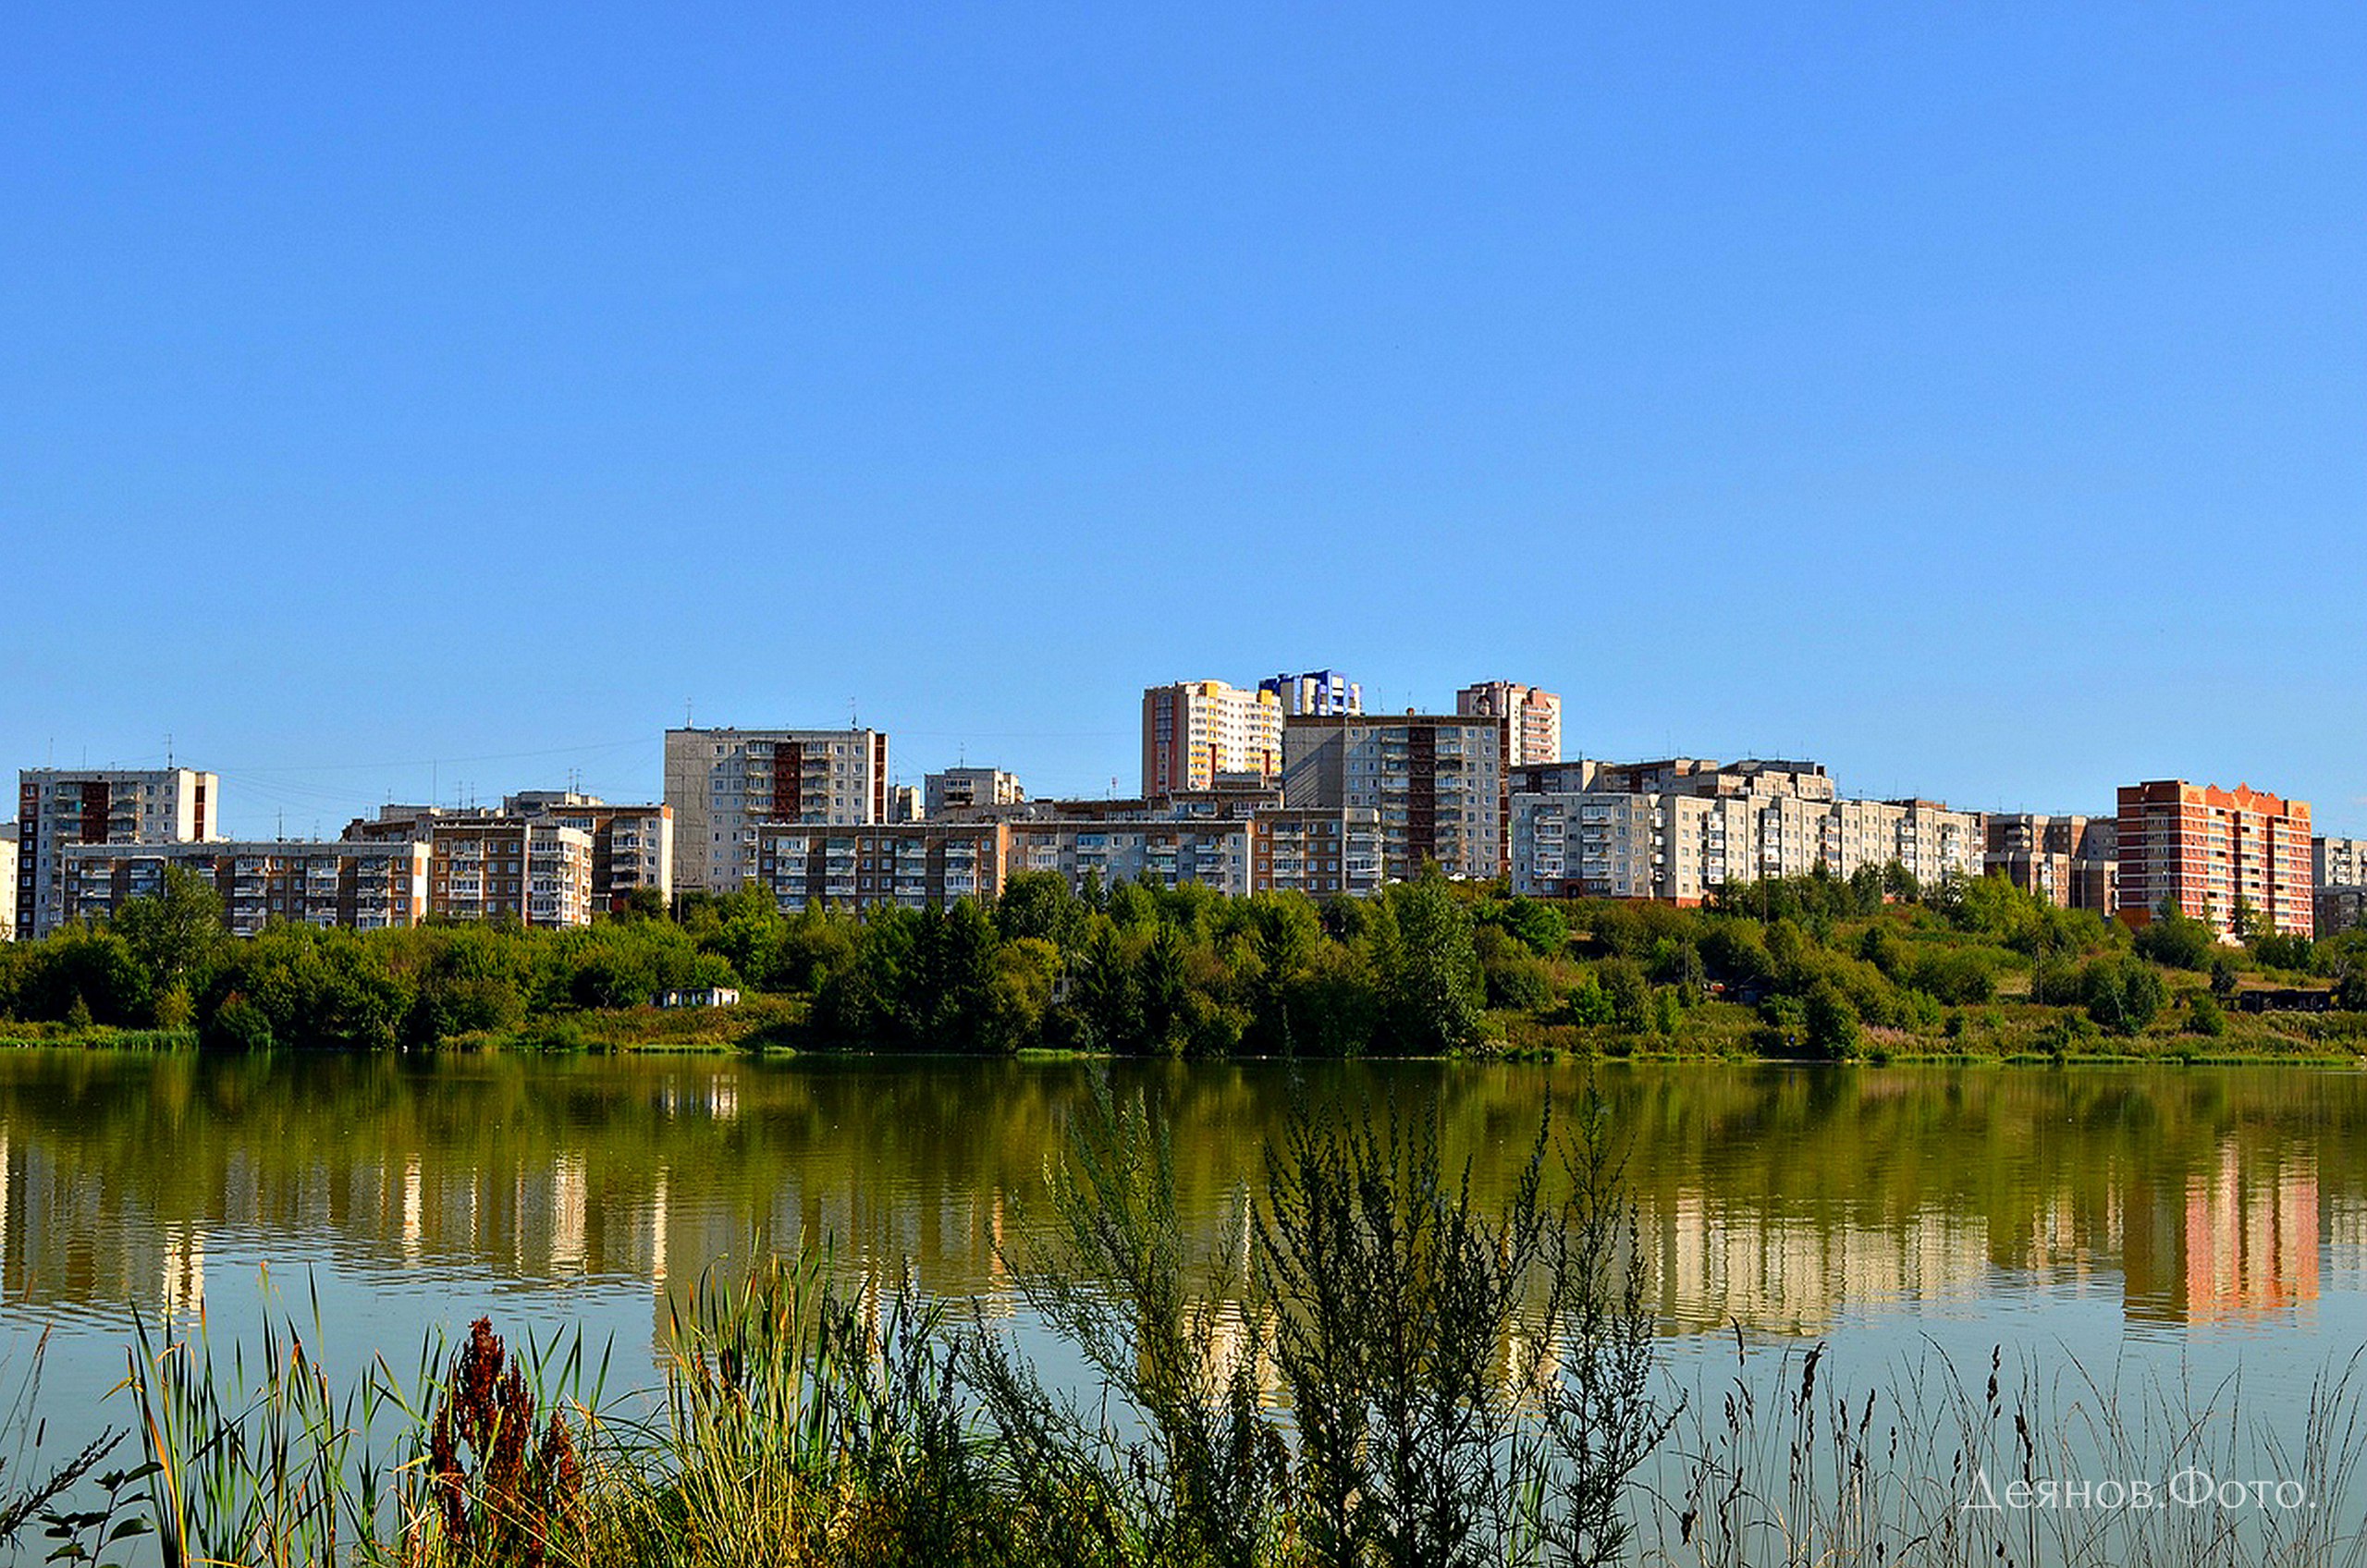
[1772, 1198]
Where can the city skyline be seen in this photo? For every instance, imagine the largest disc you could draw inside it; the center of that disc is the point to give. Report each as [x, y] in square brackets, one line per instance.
[1968, 401]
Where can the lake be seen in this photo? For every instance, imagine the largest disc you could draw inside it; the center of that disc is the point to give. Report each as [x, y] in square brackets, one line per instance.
[2205, 1220]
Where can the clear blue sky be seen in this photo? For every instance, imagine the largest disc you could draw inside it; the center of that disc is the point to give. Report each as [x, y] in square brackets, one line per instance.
[1970, 397]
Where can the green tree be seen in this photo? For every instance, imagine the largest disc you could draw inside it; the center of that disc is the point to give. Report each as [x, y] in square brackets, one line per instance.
[1431, 970]
[176, 933]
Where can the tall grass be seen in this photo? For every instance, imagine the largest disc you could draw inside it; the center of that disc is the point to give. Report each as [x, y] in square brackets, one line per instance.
[1378, 1367]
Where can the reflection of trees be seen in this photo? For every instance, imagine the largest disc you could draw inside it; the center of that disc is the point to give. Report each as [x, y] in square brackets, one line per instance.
[1768, 1192]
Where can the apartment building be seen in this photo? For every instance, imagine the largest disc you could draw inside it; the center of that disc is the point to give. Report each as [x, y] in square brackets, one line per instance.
[1211, 851]
[1436, 780]
[365, 885]
[528, 867]
[968, 788]
[1315, 691]
[1322, 854]
[2338, 868]
[632, 846]
[905, 803]
[726, 784]
[2072, 862]
[57, 807]
[914, 864]
[2212, 849]
[8, 880]
[1682, 847]
[1196, 731]
[1533, 718]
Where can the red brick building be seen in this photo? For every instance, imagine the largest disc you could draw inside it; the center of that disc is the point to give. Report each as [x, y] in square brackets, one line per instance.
[2213, 850]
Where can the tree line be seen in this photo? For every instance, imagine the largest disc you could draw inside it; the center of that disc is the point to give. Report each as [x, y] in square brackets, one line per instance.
[1815, 966]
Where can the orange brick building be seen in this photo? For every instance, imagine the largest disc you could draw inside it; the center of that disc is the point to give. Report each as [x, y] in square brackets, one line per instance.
[2213, 850]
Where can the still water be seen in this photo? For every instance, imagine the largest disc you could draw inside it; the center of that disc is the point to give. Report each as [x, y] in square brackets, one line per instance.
[2212, 1219]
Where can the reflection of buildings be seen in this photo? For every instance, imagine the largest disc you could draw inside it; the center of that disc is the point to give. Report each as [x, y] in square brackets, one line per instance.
[644, 1176]
[2229, 1243]
[1715, 1262]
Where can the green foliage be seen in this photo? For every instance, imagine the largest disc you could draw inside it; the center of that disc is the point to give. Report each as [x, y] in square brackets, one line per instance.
[1829, 1021]
[2177, 941]
[2123, 993]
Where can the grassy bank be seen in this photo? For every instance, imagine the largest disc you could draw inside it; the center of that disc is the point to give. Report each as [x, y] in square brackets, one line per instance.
[1379, 1369]
[1817, 968]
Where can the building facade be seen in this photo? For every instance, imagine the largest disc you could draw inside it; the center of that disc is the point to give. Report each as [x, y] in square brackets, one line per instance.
[2338, 868]
[969, 789]
[1196, 731]
[914, 864]
[726, 784]
[2215, 852]
[1315, 691]
[8, 881]
[2072, 861]
[58, 807]
[1436, 783]
[366, 886]
[1680, 848]
[632, 846]
[1533, 718]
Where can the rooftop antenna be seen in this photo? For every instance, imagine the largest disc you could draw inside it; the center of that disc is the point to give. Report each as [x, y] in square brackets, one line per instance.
[686, 714]
[169, 750]
[854, 721]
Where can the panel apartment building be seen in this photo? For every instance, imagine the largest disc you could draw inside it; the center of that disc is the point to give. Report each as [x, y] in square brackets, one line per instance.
[2072, 861]
[1533, 718]
[1196, 733]
[368, 887]
[1234, 845]
[2210, 849]
[968, 788]
[1436, 783]
[2338, 868]
[1698, 826]
[57, 807]
[632, 848]
[725, 785]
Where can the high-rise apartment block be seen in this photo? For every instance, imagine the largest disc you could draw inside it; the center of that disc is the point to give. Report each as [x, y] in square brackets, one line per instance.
[1315, 691]
[369, 886]
[2072, 861]
[1437, 781]
[1196, 733]
[2212, 851]
[1533, 717]
[969, 789]
[2339, 871]
[8, 880]
[57, 807]
[726, 784]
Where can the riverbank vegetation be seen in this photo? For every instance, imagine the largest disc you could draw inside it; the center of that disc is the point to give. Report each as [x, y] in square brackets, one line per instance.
[1865, 968]
[1376, 1367]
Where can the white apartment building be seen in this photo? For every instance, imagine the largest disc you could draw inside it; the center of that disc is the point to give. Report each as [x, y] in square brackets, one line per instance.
[1195, 731]
[1680, 848]
[1436, 783]
[8, 880]
[969, 789]
[726, 784]
[60, 806]
[1533, 718]
[365, 885]
[1212, 852]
